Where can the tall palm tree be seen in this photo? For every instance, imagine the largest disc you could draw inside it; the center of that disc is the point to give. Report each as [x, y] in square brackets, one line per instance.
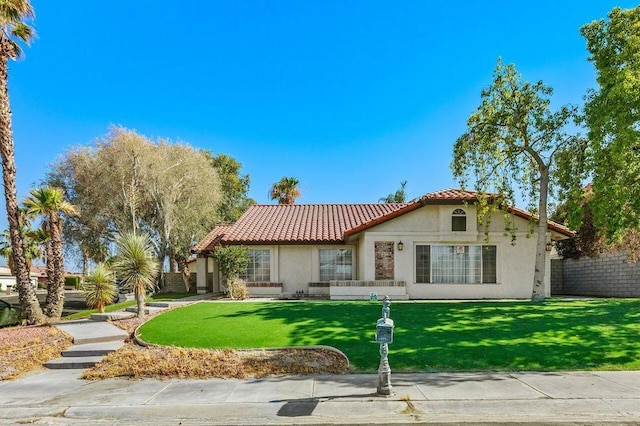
[13, 30]
[49, 203]
[136, 265]
[100, 288]
[285, 190]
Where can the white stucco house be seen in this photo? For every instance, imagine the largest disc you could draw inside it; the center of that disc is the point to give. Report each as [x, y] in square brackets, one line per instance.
[429, 248]
[8, 279]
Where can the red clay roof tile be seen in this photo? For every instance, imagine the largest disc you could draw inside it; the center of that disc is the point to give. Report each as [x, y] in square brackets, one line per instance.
[327, 223]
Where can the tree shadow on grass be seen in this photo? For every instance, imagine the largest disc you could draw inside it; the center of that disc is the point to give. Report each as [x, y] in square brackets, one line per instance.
[465, 336]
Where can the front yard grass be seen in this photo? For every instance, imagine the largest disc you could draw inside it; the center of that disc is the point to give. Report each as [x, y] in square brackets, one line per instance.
[556, 335]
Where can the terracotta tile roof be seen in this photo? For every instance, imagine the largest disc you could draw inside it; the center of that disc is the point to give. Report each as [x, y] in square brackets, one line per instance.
[328, 223]
[212, 239]
[303, 223]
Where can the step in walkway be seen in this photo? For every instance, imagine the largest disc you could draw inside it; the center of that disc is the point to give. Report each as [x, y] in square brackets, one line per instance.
[95, 338]
[92, 340]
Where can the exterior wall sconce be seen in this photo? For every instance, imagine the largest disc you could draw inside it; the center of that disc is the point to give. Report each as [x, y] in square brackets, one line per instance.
[549, 245]
[400, 246]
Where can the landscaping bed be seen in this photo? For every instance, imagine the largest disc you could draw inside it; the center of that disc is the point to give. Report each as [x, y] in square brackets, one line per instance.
[24, 349]
[170, 362]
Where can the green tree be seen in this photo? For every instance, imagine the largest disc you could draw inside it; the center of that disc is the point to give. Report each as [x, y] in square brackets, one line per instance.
[232, 261]
[49, 204]
[285, 190]
[14, 15]
[100, 287]
[136, 265]
[512, 143]
[32, 246]
[399, 196]
[128, 183]
[612, 115]
[233, 186]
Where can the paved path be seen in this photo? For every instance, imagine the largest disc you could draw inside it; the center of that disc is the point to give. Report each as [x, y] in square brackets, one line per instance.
[59, 397]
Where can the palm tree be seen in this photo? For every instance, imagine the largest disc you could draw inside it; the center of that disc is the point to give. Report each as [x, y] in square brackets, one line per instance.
[399, 196]
[136, 265]
[13, 30]
[32, 247]
[50, 204]
[285, 190]
[100, 288]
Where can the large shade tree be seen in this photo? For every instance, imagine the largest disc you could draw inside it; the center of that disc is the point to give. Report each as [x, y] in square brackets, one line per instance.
[514, 143]
[14, 29]
[286, 190]
[128, 183]
[49, 204]
[612, 114]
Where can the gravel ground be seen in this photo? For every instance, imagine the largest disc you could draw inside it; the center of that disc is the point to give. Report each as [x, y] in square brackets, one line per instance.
[26, 348]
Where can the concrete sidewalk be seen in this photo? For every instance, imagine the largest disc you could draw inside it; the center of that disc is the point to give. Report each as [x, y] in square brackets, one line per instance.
[59, 397]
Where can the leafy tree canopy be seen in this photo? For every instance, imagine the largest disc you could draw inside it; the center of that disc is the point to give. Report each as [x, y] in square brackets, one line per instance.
[612, 115]
[515, 143]
[128, 183]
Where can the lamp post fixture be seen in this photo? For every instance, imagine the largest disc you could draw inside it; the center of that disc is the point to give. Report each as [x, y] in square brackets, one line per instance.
[384, 336]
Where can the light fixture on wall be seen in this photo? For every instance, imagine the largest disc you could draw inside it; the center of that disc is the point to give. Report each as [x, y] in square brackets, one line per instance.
[549, 245]
[400, 245]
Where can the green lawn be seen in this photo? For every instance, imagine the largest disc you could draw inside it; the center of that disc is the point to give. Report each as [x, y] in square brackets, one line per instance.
[555, 335]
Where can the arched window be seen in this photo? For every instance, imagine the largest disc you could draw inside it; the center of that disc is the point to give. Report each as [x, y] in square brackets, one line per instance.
[459, 220]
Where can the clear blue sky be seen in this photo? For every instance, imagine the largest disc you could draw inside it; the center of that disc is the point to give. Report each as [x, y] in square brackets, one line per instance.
[350, 97]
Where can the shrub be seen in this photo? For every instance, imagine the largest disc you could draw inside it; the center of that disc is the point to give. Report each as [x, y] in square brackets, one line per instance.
[72, 282]
[232, 261]
[100, 288]
[237, 289]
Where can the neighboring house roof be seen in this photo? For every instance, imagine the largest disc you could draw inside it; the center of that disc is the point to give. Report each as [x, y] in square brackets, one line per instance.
[328, 223]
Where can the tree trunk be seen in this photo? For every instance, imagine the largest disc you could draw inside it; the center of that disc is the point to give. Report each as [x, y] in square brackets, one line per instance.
[26, 292]
[183, 266]
[85, 263]
[541, 245]
[55, 295]
[140, 295]
[175, 264]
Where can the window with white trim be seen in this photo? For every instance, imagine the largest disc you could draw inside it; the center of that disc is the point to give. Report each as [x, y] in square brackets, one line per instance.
[470, 264]
[336, 264]
[259, 266]
[459, 220]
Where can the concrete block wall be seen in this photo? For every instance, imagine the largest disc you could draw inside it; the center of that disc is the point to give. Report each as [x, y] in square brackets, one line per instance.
[609, 275]
[557, 276]
[173, 282]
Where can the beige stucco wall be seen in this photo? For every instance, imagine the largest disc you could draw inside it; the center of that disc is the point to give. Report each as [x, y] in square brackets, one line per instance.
[296, 265]
[208, 279]
[431, 225]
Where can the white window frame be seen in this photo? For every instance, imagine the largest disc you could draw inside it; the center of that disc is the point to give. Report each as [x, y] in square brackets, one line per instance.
[337, 265]
[454, 272]
[264, 268]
